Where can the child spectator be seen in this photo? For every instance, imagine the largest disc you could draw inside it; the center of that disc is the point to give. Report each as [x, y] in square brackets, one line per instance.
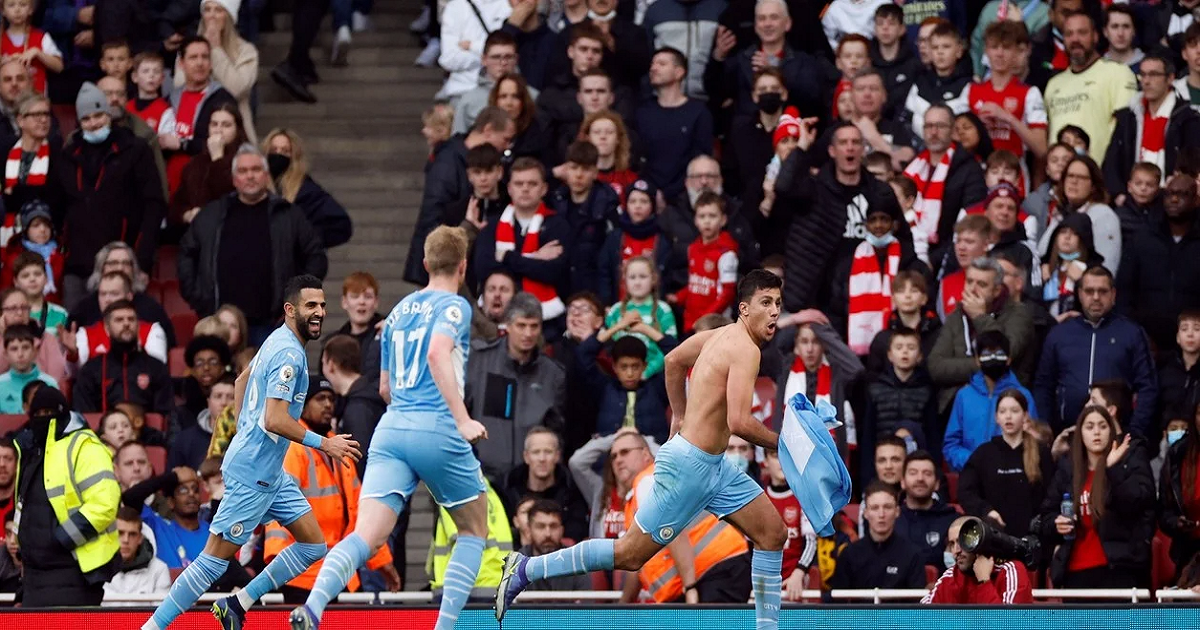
[37, 237]
[30, 276]
[636, 233]
[31, 45]
[944, 81]
[638, 309]
[849, 17]
[892, 55]
[149, 104]
[712, 264]
[853, 55]
[880, 165]
[626, 398]
[973, 415]
[900, 396]
[1141, 200]
[971, 237]
[875, 263]
[800, 550]
[1071, 253]
[21, 350]
[436, 125]
[214, 482]
[116, 428]
[607, 131]
[785, 139]
[910, 294]
[1014, 112]
[1076, 138]
[589, 208]
[115, 59]
[1178, 374]
[488, 198]
[905, 190]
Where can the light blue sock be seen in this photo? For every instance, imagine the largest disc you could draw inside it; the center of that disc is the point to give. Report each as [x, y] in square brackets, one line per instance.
[290, 562]
[766, 568]
[195, 579]
[459, 579]
[590, 555]
[340, 565]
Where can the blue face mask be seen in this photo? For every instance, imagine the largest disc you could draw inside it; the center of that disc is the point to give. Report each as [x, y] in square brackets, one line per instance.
[948, 559]
[910, 444]
[879, 241]
[1080, 151]
[1175, 435]
[1072, 257]
[97, 136]
[738, 462]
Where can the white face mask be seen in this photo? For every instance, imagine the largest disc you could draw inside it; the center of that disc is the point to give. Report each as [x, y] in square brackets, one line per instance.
[948, 559]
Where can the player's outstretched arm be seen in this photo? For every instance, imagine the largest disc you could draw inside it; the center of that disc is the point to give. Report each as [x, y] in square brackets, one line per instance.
[442, 369]
[277, 420]
[739, 398]
[677, 364]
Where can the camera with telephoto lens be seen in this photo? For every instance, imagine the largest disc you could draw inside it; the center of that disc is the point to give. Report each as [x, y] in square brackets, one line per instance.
[979, 537]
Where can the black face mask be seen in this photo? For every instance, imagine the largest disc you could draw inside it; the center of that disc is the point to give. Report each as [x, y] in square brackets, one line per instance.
[994, 369]
[770, 103]
[277, 163]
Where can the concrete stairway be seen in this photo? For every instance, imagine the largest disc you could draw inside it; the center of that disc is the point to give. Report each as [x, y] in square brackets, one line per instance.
[363, 140]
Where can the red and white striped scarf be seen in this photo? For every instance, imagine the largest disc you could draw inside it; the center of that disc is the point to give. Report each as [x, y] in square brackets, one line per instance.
[931, 185]
[506, 241]
[37, 171]
[870, 294]
[797, 382]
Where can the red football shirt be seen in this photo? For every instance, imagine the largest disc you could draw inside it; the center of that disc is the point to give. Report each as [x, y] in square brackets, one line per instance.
[1087, 553]
[1022, 101]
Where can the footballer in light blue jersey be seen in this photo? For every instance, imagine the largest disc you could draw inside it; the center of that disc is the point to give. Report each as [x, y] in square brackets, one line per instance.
[404, 343]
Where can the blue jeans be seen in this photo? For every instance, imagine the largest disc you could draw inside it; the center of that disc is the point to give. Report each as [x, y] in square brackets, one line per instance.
[342, 9]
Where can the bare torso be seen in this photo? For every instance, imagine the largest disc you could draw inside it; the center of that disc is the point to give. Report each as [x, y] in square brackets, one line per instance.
[706, 419]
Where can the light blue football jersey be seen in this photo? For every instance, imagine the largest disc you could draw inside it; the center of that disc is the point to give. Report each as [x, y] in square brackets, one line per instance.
[279, 370]
[405, 342]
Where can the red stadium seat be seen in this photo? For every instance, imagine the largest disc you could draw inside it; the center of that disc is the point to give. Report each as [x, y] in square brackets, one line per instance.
[765, 389]
[155, 421]
[175, 573]
[154, 288]
[175, 362]
[952, 491]
[184, 324]
[10, 423]
[1162, 567]
[93, 420]
[166, 263]
[173, 302]
[851, 512]
[158, 458]
[814, 578]
[67, 122]
[600, 581]
[932, 573]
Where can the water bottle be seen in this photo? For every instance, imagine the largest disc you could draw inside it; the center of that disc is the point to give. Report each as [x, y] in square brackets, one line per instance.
[1067, 509]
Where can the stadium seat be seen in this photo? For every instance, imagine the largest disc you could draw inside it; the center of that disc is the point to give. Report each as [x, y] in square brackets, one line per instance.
[155, 421]
[176, 363]
[952, 490]
[814, 579]
[158, 458]
[764, 389]
[851, 512]
[173, 302]
[1162, 573]
[175, 573]
[184, 324]
[93, 420]
[166, 266]
[154, 288]
[932, 573]
[10, 423]
[600, 581]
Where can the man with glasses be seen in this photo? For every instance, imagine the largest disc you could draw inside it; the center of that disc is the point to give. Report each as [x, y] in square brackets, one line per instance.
[118, 257]
[14, 84]
[948, 179]
[499, 58]
[1157, 122]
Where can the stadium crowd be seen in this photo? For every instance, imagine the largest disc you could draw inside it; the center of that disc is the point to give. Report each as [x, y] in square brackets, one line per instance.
[985, 215]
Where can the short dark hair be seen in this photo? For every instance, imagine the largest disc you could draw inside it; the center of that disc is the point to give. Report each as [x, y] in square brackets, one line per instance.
[1116, 392]
[678, 57]
[992, 339]
[129, 514]
[1168, 65]
[199, 343]
[19, 332]
[628, 346]
[291, 291]
[120, 275]
[1191, 36]
[344, 352]
[188, 41]
[910, 277]
[890, 10]
[491, 116]
[920, 455]
[1098, 271]
[906, 185]
[27, 259]
[755, 281]
[890, 440]
[905, 331]
[119, 305]
[877, 486]
[588, 297]
[546, 506]
[7, 443]
[527, 164]
[498, 38]
[585, 30]
[114, 43]
[946, 29]
[1077, 130]
[1006, 33]
[30, 389]
[483, 157]
[583, 153]
[1149, 168]
[709, 198]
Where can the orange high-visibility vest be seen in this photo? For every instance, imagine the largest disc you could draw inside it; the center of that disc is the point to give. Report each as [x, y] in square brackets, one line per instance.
[712, 541]
[332, 490]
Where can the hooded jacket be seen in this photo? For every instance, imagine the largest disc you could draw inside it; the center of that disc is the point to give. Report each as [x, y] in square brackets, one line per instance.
[295, 249]
[973, 416]
[928, 88]
[611, 254]
[589, 223]
[144, 574]
[1183, 130]
[214, 96]
[1158, 278]
[927, 529]
[1178, 385]
[361, 411]
[951, 362]
[890, 402]
[1078, 353]
[563, 492]
[994, 479]
[124, 375]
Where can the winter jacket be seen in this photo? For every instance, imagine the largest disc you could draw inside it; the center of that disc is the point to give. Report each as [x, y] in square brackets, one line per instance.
[952, 362]
[973, 416]
[327, 216]
[926, 528]
[994, 479]
[190, 447]
[893, 563]
[1183, 130]
[671, 137]
[123, 376]
[678, 223]
[1128, 523]
[15, 247]
[1078, 353]
[650, 408]
[877, 361]
[494, 380]
[126, 203]
[215, 95]
[1106, 231]
[580, 398]
[1178, 386]
[748, 148]
[563, 492]
[838, 307]
[203, 181]
[802, 78]
[236, 76]
[535, 49]
[467, 21]
[552, 272]
[891, 401]
[1158, 279]
[144, 574]
[295, 249]
[898, 75]
[1010, 584]
[964, 187]
[689, 26]
[1185, 542]
[928, 88]
[589, 223]
[822, 211]
[87, 312]
[1134, 218]
[445, 183]
[361, 411]
[611, 254]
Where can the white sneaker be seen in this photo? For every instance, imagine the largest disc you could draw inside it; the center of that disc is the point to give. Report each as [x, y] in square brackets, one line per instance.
[420, 24]
[360, 21]
[428, 57]
[341, 46]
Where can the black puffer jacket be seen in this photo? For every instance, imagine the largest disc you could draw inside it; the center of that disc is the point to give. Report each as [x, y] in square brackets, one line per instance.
[1183, 130]
[589, 223]
[1158, 279]
[1185, 542]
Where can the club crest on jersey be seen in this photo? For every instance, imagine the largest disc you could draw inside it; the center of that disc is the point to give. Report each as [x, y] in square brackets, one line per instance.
[287, 373]
[1010, 104]
[666, 533]
[709, 265]
[933, 538]
[454, 314]
[143, 381]
[790, 514]
[236, 530]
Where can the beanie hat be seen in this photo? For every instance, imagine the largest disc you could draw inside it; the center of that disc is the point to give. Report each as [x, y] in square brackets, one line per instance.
[230, 6]
[788, 127]
[90, 101]
[1003, 189]
[644, 187]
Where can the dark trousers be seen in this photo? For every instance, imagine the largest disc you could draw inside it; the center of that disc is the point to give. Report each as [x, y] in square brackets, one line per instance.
[727, 582]
[59, 588]
[306, 23]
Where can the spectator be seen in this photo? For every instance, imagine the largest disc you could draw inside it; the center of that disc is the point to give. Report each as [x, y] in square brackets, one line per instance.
[638, 233]
[289, 170]
[821, 367]
[589, 206]
[925, 517]
[584, 318]
[116, 91]
[360, 300]
[640, 291]
[221, 253]
[1178, 376]
[31, 156]
[973, 578]
[208, 176]
[446, 182]
[234, 61]
[546, 534]
[1120, 32]
[499, 58]
[544, 477]
[142, 432]
[712, 264]
[50, 353]
[751, 137]
[1071, 252]
[148, 103]
[65, 565]
[1014, 112]
[800, 550]
[1170, 243]
[899, 396]
[1034, 15]
[513, 364]
[1070, 361]
[532, 138]
[122, 201]
[361, 406]
[181, 537]
[684, 26]
[538, 260]
[235, 325]
[628, 453]
[1152, 128]
[115, 429]
[38, 237]
[113, 257]
[14, 85]
[881, 559]
[125, 373]
[131, 466]
[1177, 496]
[20, 348]
[1142, 203]
[487, 321]
[910, 294]
[31, 277]
[92, 341]
[571, 94]
[10, 559]
[1107, 544]
[944, 191]
[853, 56]
[194, 100]
[333, 491]
[888, 458]
[849, 17]
[606, 130]
[1185, 85]
[138, 571]
[973, 416]
[945, 81]
[465, 27]
[1045, 197]
[984, 307]
[520, 522]
[970, 133]
[190, 447]
[630, 398]
[37, 49]
[674, 128]
[626, 45]
[1092, 91]
[485, 170]
[892, 56]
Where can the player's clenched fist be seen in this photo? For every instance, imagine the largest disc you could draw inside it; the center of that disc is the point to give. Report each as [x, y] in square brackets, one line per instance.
[472, 431]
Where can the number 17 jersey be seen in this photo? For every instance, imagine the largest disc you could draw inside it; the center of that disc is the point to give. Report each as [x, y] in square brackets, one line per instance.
[404, 344]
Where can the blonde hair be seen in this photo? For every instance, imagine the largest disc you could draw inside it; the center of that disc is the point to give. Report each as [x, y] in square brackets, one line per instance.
[212, 325]
[445, 248]
[243, 326]
[439, 115]
[622, 151]
[291, 179]
[231, 42]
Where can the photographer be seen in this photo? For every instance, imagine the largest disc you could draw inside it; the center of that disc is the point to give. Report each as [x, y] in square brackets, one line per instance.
[977, 579]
